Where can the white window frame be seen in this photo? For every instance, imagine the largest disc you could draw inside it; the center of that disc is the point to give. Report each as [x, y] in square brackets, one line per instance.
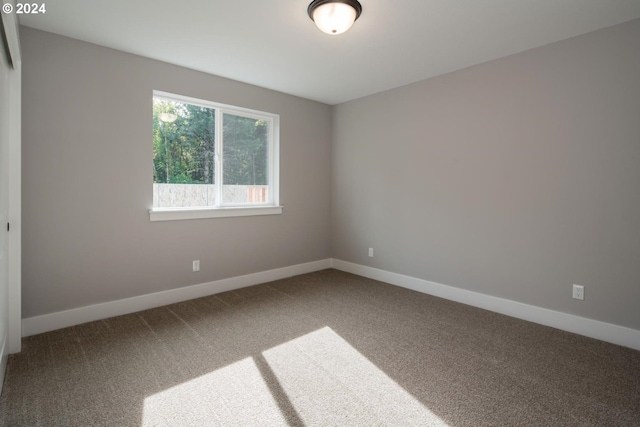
[271, 207]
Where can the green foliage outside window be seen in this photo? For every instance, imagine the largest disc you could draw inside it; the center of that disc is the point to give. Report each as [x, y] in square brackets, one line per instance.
[184, 146]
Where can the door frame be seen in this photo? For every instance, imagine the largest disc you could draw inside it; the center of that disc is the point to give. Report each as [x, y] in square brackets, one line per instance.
[14, 249]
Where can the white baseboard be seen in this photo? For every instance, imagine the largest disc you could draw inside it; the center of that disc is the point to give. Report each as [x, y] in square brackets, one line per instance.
[49, 322]
[580, 325]
[568, 322]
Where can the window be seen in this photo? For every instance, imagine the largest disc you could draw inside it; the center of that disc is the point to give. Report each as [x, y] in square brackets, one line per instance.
[212, 160]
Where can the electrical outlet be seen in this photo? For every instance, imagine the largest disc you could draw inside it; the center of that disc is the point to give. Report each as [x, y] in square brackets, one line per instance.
[578, 292]
[196, 265]
[371, 252]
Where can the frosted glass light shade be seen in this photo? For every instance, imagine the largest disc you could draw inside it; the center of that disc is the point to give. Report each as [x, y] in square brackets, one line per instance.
[334, 17]
[167, 117]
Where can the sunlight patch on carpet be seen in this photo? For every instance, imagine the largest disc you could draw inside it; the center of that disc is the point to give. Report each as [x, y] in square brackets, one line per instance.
[233, 395]
[329, 382]
[316, 379]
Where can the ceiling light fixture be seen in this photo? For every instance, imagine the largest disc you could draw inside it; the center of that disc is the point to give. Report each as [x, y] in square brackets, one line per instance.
[334, 16]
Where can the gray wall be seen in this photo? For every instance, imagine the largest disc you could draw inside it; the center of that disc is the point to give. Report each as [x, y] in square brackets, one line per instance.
[87, 180]
[515, 178]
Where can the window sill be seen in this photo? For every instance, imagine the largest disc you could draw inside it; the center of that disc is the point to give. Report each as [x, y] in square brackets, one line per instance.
[173, 214]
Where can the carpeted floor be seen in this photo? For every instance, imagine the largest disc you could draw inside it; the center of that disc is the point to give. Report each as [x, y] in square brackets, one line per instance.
[327, 348]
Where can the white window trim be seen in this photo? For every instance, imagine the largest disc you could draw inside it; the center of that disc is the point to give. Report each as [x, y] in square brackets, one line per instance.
[172, 214]
[272, 207]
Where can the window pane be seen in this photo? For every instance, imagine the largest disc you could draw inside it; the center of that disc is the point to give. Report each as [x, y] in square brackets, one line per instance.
[183, 154]
[245, 160]
[209, 155]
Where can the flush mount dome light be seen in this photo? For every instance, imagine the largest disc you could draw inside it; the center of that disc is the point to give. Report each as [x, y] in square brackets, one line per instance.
[334, 16]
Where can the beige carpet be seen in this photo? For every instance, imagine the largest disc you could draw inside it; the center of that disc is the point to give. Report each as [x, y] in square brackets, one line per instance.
[322, 349]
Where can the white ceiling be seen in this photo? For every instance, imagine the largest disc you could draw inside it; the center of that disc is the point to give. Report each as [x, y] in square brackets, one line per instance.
[274, 44]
